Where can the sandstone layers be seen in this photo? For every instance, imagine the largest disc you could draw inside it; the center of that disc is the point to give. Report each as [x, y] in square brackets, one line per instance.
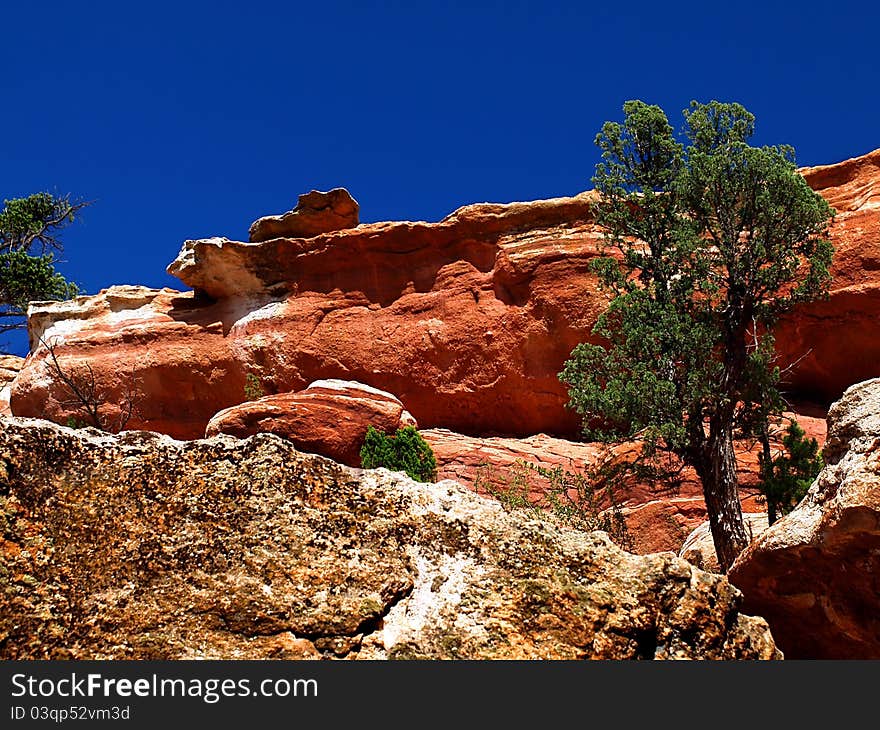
[139, 546]
[467, 321]
[815, 574]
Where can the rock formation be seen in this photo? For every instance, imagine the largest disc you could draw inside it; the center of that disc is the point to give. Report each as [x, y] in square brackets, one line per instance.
[139, 546]
[658, 516]
[329, 418]
[467, 320]
[10, 365]
[315, 212]
[836, 342]
[815, 574]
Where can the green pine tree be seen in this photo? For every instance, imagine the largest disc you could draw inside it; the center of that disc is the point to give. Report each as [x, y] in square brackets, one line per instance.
[786, 478]
[29, 229]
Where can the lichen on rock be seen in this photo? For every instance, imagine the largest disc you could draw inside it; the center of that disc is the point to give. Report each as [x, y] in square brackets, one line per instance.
[140, 546]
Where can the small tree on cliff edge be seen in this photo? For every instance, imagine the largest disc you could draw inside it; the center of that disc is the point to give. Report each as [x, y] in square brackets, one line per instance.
[29, 230]
[714, 240]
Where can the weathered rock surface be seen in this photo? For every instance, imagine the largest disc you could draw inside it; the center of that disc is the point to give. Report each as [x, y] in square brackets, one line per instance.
[699, 547]
[838, 339]
[10, 365]
[467, 321]
[815, 574]
[329, 418]
[316, 212]
[138, 546]
[167, 346]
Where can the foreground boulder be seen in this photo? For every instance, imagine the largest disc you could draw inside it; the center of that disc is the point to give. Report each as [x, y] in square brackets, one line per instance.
[139, 546]
[329, 418]
[815, 574]
[315, 212]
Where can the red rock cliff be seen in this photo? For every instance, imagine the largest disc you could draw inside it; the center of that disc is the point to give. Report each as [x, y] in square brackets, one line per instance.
[467, 320]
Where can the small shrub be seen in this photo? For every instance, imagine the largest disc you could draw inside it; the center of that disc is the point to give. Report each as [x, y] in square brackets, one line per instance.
[253, 388]
[405, 451]
[569, 496]
[787, 478]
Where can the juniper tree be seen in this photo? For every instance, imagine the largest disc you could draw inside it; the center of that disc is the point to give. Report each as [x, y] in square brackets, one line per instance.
[29, 236]
[711, 240]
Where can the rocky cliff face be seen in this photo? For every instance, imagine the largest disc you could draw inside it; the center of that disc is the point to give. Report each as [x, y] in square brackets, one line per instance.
[815, 574]
[467, 320]
[139, 546]
[838, 339]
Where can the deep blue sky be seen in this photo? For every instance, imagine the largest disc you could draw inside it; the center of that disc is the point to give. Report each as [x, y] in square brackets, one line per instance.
[185, 120]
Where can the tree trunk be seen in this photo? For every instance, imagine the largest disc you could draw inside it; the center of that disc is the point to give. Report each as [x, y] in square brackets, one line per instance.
[717, 471]
[766, 472]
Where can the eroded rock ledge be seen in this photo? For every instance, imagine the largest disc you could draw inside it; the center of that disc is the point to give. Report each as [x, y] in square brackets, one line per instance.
[467, 320]
[139, 546]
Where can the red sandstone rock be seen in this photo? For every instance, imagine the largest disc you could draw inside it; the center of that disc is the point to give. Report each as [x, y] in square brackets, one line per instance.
[329, 418]
[839, 338]
[165, 344]
[467, 321]
[659, 517]
[316, 212]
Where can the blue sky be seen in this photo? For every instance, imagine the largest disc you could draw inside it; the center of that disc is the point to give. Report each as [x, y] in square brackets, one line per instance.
[185, 120]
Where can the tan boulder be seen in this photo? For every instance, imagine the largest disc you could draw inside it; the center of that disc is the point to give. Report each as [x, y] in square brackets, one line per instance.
[10, 365]
[140, 547]
[316, 212]
[699, 547]
[329, 418]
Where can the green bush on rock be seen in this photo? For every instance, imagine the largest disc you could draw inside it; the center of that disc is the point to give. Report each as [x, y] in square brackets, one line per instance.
[405, 451]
